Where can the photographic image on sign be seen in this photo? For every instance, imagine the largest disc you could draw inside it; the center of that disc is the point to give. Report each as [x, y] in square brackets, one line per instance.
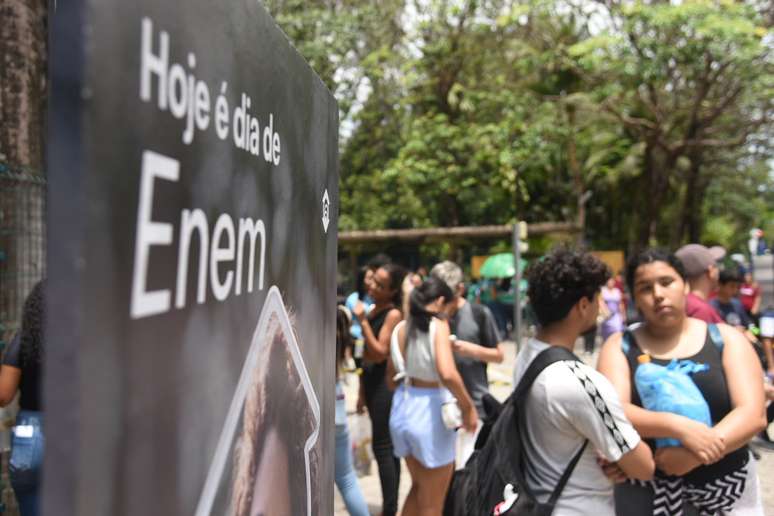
[266, 461]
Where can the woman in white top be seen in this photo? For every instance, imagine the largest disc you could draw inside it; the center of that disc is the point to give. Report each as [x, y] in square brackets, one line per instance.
[418, 431]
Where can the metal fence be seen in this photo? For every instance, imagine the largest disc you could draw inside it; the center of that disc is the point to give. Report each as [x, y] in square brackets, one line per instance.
[22, 242]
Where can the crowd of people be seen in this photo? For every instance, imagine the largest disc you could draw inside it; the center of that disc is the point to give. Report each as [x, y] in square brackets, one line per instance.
[441, 348]
[425, 350]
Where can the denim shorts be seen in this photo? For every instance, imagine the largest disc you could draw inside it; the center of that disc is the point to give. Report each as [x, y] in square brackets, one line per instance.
[417, 428]
[27, 445]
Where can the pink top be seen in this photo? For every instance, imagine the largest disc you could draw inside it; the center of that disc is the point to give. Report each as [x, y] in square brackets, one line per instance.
[700, 309]
[747, 294]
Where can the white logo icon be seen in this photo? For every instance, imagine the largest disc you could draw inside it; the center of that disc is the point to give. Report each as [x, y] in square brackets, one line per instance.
[326, 210]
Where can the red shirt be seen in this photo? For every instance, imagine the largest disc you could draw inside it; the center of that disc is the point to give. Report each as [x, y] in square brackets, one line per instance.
[747, 295]
[700, 309]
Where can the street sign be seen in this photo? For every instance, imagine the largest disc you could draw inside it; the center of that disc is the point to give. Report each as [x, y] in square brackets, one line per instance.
[193, 196]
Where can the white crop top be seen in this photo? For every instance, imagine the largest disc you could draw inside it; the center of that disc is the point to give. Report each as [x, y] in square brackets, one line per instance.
[419, 358]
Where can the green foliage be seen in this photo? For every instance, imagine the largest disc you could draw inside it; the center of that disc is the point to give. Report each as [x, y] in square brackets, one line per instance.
[484, 112]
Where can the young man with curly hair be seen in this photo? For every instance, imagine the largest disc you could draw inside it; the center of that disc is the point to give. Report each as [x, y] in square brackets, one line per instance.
[570, 403]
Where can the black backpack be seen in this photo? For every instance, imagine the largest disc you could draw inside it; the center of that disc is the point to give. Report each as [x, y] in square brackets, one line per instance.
[493, 482]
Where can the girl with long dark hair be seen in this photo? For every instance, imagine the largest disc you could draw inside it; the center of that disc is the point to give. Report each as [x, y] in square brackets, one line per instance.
[417, 425]
[377, 326]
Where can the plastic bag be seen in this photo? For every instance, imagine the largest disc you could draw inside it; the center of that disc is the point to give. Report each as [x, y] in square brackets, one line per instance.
[671, 389]
[465, 445]
[362, 455]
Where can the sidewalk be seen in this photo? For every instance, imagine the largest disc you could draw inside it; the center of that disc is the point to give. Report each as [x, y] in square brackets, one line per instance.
[500, 376]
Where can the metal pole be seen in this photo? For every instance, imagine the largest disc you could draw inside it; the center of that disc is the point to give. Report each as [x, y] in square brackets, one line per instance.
[517, 291]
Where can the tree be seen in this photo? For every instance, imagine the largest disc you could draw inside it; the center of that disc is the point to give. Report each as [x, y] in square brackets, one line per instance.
[486, 111]
[687, 81]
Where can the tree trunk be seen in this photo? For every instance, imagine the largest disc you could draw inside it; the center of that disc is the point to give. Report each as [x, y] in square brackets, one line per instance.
[657, 169]
[577, 174]
[23, 83]
[696, 225]
[23, 93]
[690, 212]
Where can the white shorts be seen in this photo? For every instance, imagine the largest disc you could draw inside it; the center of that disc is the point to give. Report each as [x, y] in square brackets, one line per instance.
[416, 426]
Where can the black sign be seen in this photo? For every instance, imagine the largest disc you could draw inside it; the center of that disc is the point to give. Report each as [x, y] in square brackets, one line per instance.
[192, 251]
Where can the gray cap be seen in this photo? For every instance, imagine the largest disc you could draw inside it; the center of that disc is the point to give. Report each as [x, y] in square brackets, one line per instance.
[697, 259]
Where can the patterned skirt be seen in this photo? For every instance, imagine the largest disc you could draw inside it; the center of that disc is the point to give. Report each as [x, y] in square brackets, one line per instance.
[736, 492]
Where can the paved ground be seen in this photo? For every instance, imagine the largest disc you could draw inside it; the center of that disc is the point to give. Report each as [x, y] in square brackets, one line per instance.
[500, 385]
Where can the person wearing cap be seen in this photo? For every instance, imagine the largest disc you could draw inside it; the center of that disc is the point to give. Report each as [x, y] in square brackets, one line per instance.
[702, 273]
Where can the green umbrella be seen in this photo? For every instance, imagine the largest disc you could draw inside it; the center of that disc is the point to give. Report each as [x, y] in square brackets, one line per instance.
[500, 266]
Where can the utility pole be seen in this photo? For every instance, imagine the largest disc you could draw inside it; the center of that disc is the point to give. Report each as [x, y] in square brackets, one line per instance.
[519, 245]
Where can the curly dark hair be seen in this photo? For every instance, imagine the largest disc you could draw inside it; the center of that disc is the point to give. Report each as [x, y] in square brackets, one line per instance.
[560, 280]
[397, 273]
[275, 399]
[650, 256]
[31, 343]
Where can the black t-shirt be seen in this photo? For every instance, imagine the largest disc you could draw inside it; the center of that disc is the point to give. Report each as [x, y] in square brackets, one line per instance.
[733, 312]
[29, 384]
[474, 323]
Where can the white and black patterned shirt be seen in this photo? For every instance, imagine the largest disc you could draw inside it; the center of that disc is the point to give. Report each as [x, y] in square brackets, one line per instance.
[569, 403]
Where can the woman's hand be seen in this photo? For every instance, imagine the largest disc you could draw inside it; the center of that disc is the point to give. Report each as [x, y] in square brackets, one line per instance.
[463, 348]
[704, 442]
[676, 460]
[361, 404]
[359, 311]
[470, 419]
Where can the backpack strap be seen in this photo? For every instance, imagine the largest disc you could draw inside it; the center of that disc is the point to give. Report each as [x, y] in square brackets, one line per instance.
[547, 357]
[544, 359]
[715, 336]
[626, 341]
[566, 475]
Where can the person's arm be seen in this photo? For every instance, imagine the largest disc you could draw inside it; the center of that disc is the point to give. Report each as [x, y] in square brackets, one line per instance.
[10, 371]
[745, 388]
[392, 368]
[756, 306]
[489, 350]
[450, 377]
[638, 463]
[601, 419]
[705, 442]
[378, 346]
[478, 352]
[766, 343]
[9, 383]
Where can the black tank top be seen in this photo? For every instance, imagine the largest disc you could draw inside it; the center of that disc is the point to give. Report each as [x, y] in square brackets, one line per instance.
[712, 385]
[374, 372]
